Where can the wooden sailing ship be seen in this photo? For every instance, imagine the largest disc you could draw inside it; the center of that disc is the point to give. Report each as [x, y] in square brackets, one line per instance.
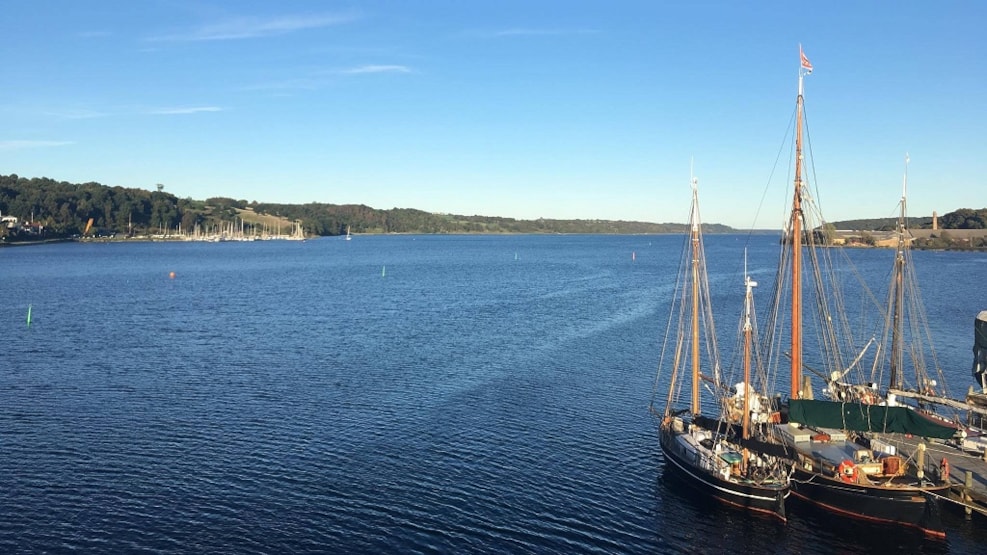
[709, 451]
[839, 467]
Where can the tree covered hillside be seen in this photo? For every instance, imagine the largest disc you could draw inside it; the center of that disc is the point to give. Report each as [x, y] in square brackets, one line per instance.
[963, 218]
[61, 209]
[64, 209]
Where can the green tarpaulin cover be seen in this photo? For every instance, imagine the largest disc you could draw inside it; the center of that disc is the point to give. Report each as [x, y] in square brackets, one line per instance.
[867, 418]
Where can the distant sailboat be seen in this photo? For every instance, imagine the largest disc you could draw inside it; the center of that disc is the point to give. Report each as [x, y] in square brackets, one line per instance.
[299, 233]
[348, 236]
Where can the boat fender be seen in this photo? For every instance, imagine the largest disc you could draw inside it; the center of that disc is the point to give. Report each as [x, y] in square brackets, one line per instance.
[944, 469]
[847, 471]
[821, 437]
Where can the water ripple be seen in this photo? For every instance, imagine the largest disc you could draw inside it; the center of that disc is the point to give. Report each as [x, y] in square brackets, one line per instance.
[288, 399]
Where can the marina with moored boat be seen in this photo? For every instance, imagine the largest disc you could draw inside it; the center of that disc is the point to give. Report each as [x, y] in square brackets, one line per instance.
[854, 453]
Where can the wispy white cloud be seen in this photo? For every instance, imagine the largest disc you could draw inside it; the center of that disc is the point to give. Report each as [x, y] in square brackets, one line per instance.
[22, 144]
[377, 69]
[184, 110]
[317, 79]
[535, 32]
[256, 27]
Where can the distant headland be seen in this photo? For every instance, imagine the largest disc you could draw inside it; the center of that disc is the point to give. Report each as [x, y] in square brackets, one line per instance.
[963, 229]
[34, 210]
[42, 208]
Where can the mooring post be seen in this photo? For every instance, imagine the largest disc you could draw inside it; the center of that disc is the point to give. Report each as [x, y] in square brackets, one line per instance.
[967, 483]
[921, 461]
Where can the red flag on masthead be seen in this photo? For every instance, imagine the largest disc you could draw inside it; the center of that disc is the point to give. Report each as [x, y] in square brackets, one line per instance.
[805, 61]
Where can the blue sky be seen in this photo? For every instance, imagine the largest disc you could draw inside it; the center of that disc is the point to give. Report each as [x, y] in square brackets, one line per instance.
[525, 109]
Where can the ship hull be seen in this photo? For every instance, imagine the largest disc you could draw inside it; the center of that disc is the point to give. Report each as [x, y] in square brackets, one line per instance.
[912, 507]
[680, 459]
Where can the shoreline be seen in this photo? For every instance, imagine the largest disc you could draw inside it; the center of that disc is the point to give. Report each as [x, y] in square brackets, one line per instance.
[958, 246]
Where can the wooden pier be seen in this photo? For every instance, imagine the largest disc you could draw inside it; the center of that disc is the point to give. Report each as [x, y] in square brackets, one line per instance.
[967, 472]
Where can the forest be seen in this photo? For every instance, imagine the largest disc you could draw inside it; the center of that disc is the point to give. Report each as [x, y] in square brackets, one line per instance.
[57, 209]
[964, 218]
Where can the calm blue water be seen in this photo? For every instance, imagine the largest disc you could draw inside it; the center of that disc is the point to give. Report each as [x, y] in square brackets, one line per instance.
[485, 394]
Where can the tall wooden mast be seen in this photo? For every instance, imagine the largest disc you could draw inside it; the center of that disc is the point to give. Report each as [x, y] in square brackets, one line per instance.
[795, 228]
[695, 296]
[897, 352]
[748, 332]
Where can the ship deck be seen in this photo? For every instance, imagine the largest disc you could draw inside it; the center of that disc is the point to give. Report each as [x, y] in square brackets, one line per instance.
[967, 475]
